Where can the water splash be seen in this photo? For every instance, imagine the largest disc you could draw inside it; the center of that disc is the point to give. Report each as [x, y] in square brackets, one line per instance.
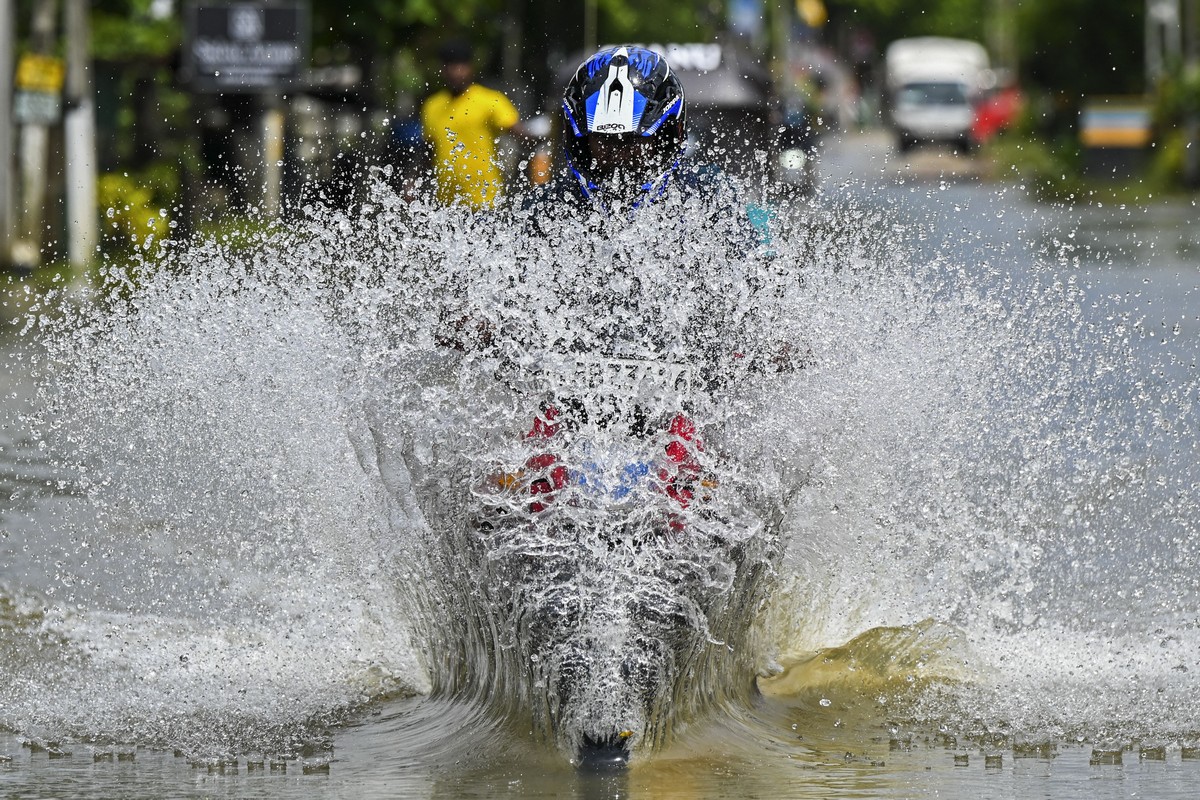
[286, 446]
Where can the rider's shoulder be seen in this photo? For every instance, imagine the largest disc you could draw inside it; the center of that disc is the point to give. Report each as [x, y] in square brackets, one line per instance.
[704, 179]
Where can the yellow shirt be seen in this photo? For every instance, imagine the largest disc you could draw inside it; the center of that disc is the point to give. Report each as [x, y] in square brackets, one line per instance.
[463, 133]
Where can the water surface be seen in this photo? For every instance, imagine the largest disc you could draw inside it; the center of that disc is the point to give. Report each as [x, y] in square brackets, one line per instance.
[987, 579]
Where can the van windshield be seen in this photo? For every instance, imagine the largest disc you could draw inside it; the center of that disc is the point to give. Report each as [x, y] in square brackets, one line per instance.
[932, 94]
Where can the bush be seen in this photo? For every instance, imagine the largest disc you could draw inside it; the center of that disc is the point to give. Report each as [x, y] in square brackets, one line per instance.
[1048, 170]
[1176, 103]
[137, 206]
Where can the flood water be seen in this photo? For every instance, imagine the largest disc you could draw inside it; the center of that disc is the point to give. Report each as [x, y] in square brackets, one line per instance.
[986, 587]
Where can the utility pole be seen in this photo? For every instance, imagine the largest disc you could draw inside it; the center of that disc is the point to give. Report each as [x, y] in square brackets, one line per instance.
[1163, 39]
[1191, 118]
[589, 26]
[35, 141]
[1003, 38]
[79, 133]
[274, 124]
[8, 25]
[780, 36]
[513, 38]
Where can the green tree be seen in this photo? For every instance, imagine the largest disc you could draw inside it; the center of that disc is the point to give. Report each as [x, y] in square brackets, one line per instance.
[1068, 47]
[650, 21]
[898, 19]
[1082, 47]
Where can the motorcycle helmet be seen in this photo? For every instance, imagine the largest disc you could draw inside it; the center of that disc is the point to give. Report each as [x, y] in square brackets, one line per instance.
[623, 113]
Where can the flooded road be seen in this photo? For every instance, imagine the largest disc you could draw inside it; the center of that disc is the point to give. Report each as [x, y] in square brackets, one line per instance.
[220, 619]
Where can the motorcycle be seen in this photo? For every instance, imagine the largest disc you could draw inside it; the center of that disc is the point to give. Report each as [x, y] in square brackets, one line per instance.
[616, 563]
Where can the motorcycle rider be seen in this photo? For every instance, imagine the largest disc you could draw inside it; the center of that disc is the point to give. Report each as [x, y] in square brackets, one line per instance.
[624, 129]
[624, 132]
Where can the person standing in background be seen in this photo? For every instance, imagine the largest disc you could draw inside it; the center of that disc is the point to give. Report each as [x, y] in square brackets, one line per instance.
[462, 123]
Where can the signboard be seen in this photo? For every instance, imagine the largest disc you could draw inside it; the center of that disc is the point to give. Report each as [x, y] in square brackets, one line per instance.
[245, 47]
[1116, 123]
[1116, 134]
[38, 84]
[691, 57]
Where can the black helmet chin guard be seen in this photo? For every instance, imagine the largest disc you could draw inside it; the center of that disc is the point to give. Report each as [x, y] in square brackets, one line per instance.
[630, 91]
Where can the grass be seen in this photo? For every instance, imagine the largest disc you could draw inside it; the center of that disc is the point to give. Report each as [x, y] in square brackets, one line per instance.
[1052, 173]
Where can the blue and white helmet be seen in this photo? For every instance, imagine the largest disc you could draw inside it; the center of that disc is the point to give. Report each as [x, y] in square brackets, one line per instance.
[625, 91]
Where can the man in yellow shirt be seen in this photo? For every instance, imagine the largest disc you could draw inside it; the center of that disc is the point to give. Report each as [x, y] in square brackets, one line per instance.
[462, 123]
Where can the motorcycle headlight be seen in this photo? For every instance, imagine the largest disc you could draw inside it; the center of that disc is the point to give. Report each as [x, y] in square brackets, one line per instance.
[793, 158]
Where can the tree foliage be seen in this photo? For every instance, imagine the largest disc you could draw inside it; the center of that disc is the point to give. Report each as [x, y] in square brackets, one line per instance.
[386, 24]
[1081, 47]
[899, 19]
[658, 20]
[1071, 47]
[121, 34]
